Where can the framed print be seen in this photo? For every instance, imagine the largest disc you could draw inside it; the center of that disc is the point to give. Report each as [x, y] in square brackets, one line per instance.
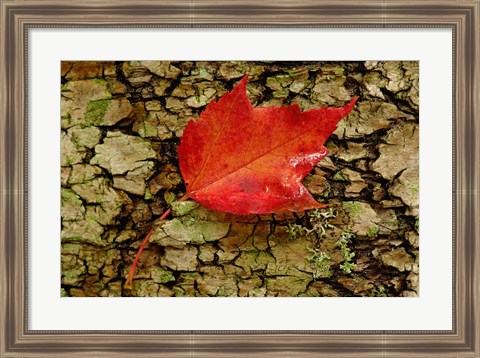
[233, 179]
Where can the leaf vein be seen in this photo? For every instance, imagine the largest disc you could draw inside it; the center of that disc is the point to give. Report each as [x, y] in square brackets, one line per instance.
[244, 165]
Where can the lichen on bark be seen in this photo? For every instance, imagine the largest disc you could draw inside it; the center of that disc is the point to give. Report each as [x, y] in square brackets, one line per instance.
[120, 126]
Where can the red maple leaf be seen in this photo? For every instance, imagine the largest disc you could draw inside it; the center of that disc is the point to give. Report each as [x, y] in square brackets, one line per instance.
[243, 160]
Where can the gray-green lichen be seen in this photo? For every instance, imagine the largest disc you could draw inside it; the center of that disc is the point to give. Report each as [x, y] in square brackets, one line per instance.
[186, 230]
[361, 217]
[399, 152]
[120, 153]
[76, 95]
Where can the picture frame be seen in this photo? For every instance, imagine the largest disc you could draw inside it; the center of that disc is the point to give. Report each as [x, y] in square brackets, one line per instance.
[20, 16]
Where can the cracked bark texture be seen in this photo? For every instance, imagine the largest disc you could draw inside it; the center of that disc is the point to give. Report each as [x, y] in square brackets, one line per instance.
[120, 126]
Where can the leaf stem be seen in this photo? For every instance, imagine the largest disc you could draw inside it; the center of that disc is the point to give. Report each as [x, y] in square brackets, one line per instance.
[131, 273]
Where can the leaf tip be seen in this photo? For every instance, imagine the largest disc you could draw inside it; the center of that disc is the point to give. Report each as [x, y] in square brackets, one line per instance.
[348, 107]
[353, 101]
[243, 82]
